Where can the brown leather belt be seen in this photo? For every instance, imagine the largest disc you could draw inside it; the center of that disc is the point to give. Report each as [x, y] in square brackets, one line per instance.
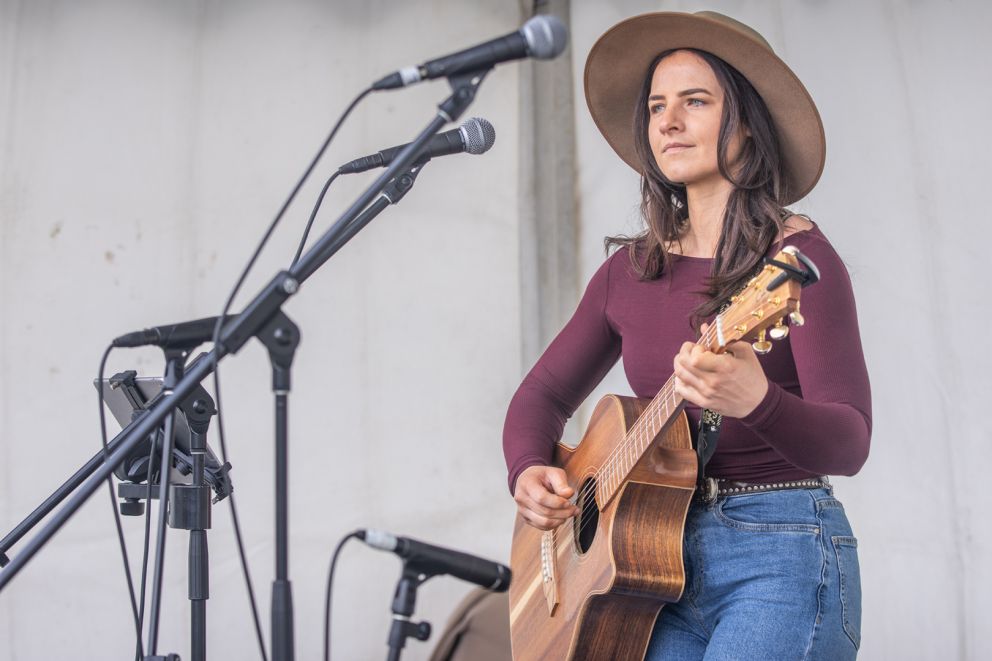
[712, 488]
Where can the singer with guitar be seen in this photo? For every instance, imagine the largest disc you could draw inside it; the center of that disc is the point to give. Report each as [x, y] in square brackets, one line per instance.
[743, 548]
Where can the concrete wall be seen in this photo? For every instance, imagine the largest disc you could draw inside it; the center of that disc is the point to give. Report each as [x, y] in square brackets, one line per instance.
[147, 145]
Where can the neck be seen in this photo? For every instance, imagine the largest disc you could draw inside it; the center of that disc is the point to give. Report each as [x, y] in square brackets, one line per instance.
[707, 205]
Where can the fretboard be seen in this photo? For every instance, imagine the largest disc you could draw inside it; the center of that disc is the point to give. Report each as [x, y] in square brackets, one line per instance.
[658, 414]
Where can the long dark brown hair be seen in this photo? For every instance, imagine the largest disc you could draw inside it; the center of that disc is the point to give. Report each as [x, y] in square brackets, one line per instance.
[754, 215]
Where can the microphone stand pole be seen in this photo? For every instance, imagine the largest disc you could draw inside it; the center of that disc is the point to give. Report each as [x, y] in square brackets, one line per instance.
[238, 330]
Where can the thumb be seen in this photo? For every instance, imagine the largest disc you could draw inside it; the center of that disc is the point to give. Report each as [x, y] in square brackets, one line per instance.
[741, 350]
[557, 481]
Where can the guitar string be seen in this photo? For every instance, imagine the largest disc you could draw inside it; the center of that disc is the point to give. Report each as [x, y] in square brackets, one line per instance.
[623, 446]
[628, 442]
[620, 449]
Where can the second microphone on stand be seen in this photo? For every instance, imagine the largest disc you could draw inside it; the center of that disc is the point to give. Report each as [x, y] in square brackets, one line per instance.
[475, 136]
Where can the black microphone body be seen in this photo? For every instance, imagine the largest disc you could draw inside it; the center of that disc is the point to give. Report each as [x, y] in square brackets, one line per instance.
[475, 136]
[430, 559]
[502, 49]
[187, 334]
[542, 37]
[442, 144]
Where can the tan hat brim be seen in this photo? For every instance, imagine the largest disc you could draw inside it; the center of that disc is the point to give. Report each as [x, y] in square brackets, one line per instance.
[618, 64]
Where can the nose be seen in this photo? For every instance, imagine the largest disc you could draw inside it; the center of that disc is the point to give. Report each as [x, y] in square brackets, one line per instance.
[669, 119]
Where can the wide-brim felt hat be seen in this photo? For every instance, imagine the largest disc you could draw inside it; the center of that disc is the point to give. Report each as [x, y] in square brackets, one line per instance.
[618, 64]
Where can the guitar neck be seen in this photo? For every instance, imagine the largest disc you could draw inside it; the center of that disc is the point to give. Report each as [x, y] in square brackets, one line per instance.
[652, 421]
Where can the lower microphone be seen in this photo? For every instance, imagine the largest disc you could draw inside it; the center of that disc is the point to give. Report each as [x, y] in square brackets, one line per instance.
[474, 136]
[438, 560]
[185, 335]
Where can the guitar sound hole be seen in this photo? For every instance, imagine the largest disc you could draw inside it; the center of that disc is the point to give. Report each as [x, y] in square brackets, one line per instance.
[588, 520]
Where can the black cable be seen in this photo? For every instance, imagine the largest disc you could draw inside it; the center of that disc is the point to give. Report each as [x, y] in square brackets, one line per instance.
[113, 496]
[144, 553]
[327, 597]
[279, 215]
[216, 341]
[313, 214]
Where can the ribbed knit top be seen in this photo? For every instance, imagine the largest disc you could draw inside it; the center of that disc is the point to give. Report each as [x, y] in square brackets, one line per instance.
[814, 420]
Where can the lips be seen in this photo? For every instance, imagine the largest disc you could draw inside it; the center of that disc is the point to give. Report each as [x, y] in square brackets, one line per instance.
[677, 146]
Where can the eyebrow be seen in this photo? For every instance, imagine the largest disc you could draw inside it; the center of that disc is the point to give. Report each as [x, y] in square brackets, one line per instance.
[694, 90]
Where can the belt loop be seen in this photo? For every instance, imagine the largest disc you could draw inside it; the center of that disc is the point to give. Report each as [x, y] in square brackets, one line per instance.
[711, 488]
[826, 484]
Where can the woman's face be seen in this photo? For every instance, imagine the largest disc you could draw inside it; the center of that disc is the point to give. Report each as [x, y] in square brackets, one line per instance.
[685, 106]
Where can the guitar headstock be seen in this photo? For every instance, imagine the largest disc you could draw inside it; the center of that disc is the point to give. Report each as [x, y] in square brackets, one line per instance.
[759, 310]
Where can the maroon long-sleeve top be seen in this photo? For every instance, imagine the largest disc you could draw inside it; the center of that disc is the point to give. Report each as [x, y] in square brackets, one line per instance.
[814, 420]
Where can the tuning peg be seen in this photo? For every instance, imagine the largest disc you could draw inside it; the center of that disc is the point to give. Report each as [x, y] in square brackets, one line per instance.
[778, 331]
[761, 346]
[796, 318]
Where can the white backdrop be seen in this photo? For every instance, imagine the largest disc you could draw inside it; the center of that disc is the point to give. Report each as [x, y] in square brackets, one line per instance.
[144, 147]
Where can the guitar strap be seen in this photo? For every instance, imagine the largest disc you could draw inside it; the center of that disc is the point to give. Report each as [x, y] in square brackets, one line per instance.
[710, 421]
[706, 438]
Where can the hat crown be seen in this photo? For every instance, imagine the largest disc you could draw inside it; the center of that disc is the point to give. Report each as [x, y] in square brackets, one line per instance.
[736, 25]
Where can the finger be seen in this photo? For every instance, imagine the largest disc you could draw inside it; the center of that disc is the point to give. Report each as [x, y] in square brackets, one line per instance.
[541, 522]
[705, 361]
[535, 521]
[549, 500]
[741, 350]
[691, 395]
[532, 506]
[698, 385]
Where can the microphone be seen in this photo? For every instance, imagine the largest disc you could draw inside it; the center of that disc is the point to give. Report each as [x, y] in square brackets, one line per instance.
[475, 136]
[543, 37]
[185, 335]
[437, 560]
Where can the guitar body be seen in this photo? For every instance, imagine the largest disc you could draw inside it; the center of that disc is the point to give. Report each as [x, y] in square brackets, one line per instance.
[593, 588]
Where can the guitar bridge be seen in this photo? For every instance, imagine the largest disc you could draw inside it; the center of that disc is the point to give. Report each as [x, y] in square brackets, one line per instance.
[549, 572]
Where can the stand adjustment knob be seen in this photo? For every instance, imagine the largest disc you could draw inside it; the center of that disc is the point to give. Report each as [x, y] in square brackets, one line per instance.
[132, 508]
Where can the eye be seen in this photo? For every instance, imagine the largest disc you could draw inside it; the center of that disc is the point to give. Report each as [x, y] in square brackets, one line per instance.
[696, 102]
[656, 108]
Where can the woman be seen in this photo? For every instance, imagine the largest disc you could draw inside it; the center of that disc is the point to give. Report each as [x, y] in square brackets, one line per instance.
[724, 136]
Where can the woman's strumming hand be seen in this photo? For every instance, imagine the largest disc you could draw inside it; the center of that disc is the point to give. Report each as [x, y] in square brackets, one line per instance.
[732, 383]
[542, 494]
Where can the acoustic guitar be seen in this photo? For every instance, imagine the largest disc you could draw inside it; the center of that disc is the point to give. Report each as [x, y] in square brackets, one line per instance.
[592, 588]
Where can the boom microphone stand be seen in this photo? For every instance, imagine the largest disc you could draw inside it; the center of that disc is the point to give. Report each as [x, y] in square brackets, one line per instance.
[235, 333]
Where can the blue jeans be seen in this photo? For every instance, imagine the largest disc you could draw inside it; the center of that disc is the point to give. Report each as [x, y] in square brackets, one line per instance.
[769, 576]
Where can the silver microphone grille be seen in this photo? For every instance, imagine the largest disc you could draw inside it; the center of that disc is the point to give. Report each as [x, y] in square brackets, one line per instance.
[478, 134]
[546, 36]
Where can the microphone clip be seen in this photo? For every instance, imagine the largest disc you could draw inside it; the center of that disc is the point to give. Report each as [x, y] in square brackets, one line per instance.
[464, 86]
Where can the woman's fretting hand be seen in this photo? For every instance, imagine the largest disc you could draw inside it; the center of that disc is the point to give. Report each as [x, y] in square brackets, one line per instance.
[732, 383]
[542, 494]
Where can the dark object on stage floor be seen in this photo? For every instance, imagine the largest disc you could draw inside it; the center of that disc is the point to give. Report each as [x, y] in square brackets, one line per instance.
[478, 629]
